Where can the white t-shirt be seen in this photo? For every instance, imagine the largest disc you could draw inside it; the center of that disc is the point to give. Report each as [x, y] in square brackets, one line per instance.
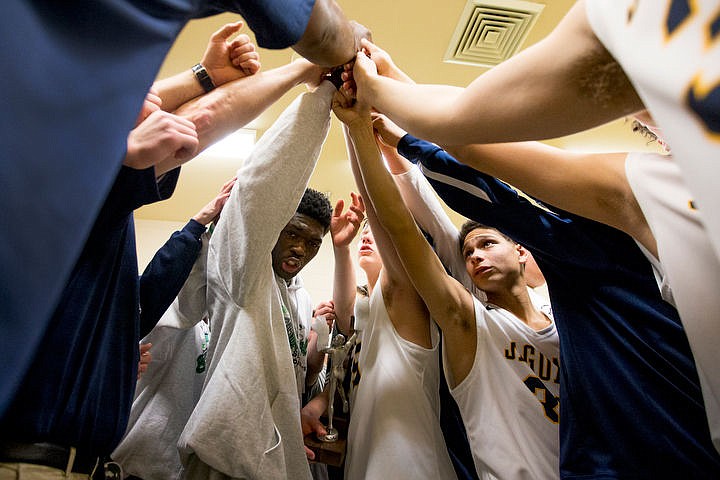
[509, 401]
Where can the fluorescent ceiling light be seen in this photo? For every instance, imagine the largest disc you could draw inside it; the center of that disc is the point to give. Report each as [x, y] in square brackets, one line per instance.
[237, 145]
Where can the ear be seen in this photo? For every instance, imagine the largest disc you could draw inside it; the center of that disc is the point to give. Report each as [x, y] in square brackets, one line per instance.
[523, 254]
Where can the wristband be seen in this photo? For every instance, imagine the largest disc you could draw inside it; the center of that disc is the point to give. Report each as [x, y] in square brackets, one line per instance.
[203, 77]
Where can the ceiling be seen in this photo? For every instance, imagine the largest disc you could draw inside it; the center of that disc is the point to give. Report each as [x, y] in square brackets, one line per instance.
[416, 33]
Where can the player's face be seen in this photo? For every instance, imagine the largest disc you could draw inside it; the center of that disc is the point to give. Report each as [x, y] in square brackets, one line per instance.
[491, 260]
[297, 244]
[368, 256]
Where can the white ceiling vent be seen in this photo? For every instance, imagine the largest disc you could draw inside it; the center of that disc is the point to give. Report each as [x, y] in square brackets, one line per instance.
[491, 31]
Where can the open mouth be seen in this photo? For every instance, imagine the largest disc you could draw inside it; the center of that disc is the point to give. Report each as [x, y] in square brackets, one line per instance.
[291, 265]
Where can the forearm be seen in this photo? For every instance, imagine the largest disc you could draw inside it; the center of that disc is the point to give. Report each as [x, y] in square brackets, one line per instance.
[344, 285]
[381, 190]
[178, 89]
[236, 103]
[520, 99]
[329, 39]
[391, 263]
[315, 363]
[417, 108]
[590, 185]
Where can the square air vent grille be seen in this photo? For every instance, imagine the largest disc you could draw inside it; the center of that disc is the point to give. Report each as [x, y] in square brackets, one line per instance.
[491, 31]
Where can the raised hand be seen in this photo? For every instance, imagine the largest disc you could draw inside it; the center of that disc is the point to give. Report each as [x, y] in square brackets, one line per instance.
[362, 73]
[345, 225]
[211, 211]
[386, 131]
[346, 109]
[226, 61]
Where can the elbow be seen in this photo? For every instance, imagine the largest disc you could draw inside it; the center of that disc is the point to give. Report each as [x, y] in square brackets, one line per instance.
[329, 38]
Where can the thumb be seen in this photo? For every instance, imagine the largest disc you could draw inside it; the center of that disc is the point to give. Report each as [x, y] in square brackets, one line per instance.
[226, 31]
[368, 45]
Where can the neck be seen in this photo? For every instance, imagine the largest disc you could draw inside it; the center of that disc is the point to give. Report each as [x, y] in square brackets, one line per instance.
[517, 301]
[372, 276]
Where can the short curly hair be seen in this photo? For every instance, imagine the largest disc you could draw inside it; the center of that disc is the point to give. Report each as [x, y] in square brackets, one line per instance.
[316, 205]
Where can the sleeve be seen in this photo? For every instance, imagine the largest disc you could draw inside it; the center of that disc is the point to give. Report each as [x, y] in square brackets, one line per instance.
[166, 273]
[431, 217]
[545, 230]
[276, 24]
[269, 187]
[134, 188]
[190, 305]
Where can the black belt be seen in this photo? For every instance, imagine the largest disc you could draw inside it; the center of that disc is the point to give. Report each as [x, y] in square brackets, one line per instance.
[49, 455]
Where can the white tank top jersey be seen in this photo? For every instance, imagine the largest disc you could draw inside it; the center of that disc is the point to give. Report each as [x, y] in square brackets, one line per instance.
[509, 401]
[394, 428]
[688, 259]
[670, 50]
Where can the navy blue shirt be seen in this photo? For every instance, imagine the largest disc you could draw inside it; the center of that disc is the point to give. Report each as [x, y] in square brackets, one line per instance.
[76, 76]
[631, 405]
[80, 386]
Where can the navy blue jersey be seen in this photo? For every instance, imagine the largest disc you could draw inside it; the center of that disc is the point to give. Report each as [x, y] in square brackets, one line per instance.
[80, 386]
[79, 73]
[631, 405]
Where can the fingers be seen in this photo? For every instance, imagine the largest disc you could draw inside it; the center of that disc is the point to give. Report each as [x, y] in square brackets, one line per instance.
[366, 44]
[309, 453]
[346, 97]
[362, 202]
[356, 200]
[227, 186]
[337, 211]
[226, 31]
[153, 97]
[244, 56]
[240, 45]
[187, 143]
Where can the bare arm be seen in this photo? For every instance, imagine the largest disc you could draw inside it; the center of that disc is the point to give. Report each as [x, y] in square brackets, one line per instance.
[224, 61]
[535, 95]
[422, 202]
[450, 304]
[405, 308]
[330, 39]
[343, 228]
[232, 106]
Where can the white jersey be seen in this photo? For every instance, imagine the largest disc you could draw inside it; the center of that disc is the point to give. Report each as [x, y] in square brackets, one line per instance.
[687, 257]
[509, 401]
[672, 56]
[394, 427]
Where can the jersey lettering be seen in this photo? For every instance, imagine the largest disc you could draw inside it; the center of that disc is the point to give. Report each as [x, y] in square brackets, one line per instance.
[546, 368]
[702, 95]
[678, 13]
